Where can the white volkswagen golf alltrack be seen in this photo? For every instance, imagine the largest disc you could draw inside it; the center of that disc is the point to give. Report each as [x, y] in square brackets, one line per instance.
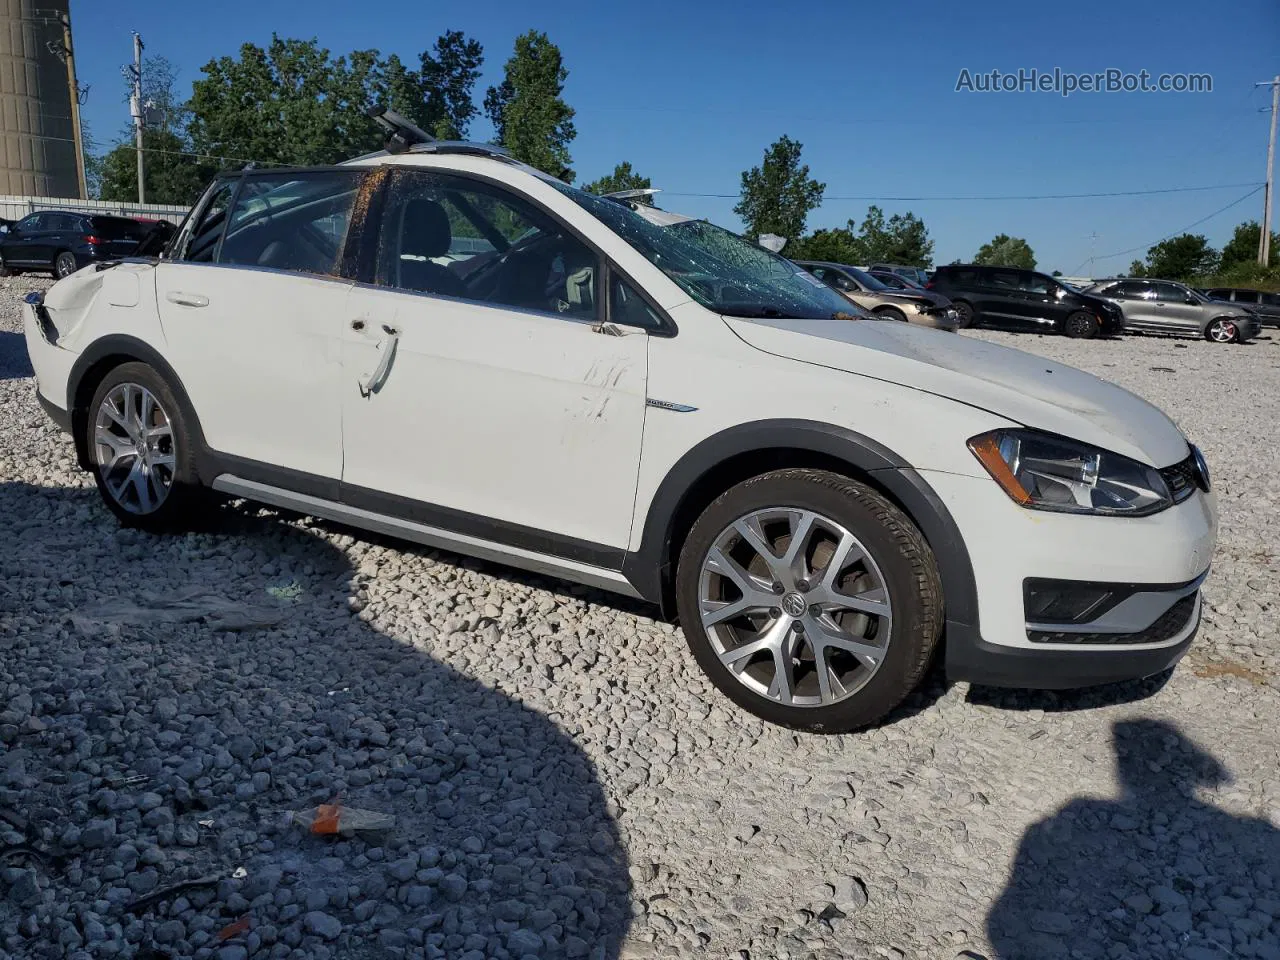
[442, 344]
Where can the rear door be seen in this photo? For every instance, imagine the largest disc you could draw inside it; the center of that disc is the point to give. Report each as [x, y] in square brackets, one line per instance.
[60, 232]
[253, 303]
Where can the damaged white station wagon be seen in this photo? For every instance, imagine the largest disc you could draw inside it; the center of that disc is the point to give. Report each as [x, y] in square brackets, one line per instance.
[440, 343]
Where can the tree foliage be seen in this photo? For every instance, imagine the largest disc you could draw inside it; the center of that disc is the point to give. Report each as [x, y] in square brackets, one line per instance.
[1006, 251]
[1243, 247]
[622, 178]
[292, 102]
[902, 239]
[778, 195]
[528, 110]
[172, 173]
[1181, 258]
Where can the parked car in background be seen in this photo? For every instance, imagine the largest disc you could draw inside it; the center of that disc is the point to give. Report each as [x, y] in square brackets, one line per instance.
[814, 499]
[1015, 299]
[918, 274]
[1163, 306]
[61, 243]
[1265, 306]
[915, 306]
[895, 281]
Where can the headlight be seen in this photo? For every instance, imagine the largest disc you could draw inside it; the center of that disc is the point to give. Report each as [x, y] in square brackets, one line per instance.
[1048, 472]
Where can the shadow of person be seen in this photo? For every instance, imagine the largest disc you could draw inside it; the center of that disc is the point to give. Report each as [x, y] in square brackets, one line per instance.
[1154, 873]
[166, 702]
[14, 362]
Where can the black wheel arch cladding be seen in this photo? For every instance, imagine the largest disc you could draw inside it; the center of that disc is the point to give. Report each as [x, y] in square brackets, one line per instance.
[650, 569]
[96, 362]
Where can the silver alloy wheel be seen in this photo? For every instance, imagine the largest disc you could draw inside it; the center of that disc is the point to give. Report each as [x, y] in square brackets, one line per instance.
[1222, 331]
[133, 439]
[64, 265]
[795, 607]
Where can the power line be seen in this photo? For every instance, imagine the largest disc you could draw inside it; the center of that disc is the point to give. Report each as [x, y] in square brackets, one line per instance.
[1189, 226]
[1030, 196]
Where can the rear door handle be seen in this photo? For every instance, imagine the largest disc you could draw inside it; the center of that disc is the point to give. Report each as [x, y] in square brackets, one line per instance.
[187, 299]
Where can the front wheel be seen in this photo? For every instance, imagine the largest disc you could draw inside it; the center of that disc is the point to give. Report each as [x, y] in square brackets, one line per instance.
[141, 449]
[1082, 325]
[64, 265]
[891, 313]
[1222, 330]
[809, 600]
[965, 313]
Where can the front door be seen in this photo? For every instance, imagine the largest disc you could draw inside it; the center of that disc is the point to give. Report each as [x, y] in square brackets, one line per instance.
[253, 306]
[1176, 309]
[481, 392]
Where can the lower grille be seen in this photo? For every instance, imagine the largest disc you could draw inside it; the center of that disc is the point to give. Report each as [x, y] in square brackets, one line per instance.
[1180, 479]
[1172, 622]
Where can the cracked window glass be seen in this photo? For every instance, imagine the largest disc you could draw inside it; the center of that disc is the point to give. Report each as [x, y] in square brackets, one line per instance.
[716, 267]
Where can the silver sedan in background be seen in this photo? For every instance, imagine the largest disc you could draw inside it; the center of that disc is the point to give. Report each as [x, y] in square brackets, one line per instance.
[915, 306]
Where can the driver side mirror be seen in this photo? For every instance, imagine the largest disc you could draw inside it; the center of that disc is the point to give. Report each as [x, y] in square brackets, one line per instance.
[1189, 299]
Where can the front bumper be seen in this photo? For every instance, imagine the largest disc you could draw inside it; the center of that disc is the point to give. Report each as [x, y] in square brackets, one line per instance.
[1009, 544]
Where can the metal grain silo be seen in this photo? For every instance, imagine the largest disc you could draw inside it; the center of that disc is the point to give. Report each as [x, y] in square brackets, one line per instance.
[37, 134]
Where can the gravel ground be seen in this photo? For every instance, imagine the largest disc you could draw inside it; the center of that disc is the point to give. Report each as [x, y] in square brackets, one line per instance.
[563, 780]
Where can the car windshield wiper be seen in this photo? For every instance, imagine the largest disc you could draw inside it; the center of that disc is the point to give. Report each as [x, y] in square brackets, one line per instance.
[756, 312]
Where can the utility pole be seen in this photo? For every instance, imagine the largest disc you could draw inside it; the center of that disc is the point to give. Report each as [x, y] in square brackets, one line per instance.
[1093, 239]
[74, 90]
[136, 108]
[1264, 241]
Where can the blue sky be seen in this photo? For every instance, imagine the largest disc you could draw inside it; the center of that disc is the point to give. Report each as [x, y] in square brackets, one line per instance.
[692, 93]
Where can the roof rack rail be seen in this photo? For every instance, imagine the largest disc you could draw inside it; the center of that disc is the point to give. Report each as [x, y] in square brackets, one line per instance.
[401, 133]
[404, 136]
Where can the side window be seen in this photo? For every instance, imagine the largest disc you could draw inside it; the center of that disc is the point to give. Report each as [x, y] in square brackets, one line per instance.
[1246, 296]
[31, 224]
[628, 307]
[1034, 283]
[1169, 293]
[453, 237]
[207, 230]
[1004, 279]
[291, 221]
[964, 277]
[1271, 299]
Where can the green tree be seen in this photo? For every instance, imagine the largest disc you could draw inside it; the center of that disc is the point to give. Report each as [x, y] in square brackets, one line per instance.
[1137, 269]
[527, 110]
[1056, 273]
[622, 178]
[834, 245]
[778, 195]
[292, 102]
[902, 239]
[1243, 246]
[1181, 258]
[172, 175]
[1006, 251]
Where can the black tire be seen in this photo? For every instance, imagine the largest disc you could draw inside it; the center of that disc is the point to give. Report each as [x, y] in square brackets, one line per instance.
[64, 264]
[891, 313]
[898, 548]
[175, 510]
[1081, 325]
[1230, 331]
[968, 316]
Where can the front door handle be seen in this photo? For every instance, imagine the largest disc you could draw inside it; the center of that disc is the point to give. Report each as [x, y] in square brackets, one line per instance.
[187, 299]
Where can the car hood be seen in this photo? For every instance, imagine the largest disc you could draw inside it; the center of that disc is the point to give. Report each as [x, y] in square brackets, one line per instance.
[1018, 386]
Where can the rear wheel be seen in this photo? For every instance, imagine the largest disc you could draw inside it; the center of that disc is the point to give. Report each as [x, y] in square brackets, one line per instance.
[141, 449]
[1081, 324]
[64, 264]
[1222, 330]
[966, 314]
[809, 600]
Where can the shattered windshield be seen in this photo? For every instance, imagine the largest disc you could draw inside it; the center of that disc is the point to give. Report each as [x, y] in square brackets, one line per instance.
[718, 268]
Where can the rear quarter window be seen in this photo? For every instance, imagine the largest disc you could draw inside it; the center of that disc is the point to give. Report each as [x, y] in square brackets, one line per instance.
[117, 228]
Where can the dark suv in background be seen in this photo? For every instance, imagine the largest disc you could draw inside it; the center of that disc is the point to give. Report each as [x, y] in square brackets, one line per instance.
[1015, 299]
[61, 243]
